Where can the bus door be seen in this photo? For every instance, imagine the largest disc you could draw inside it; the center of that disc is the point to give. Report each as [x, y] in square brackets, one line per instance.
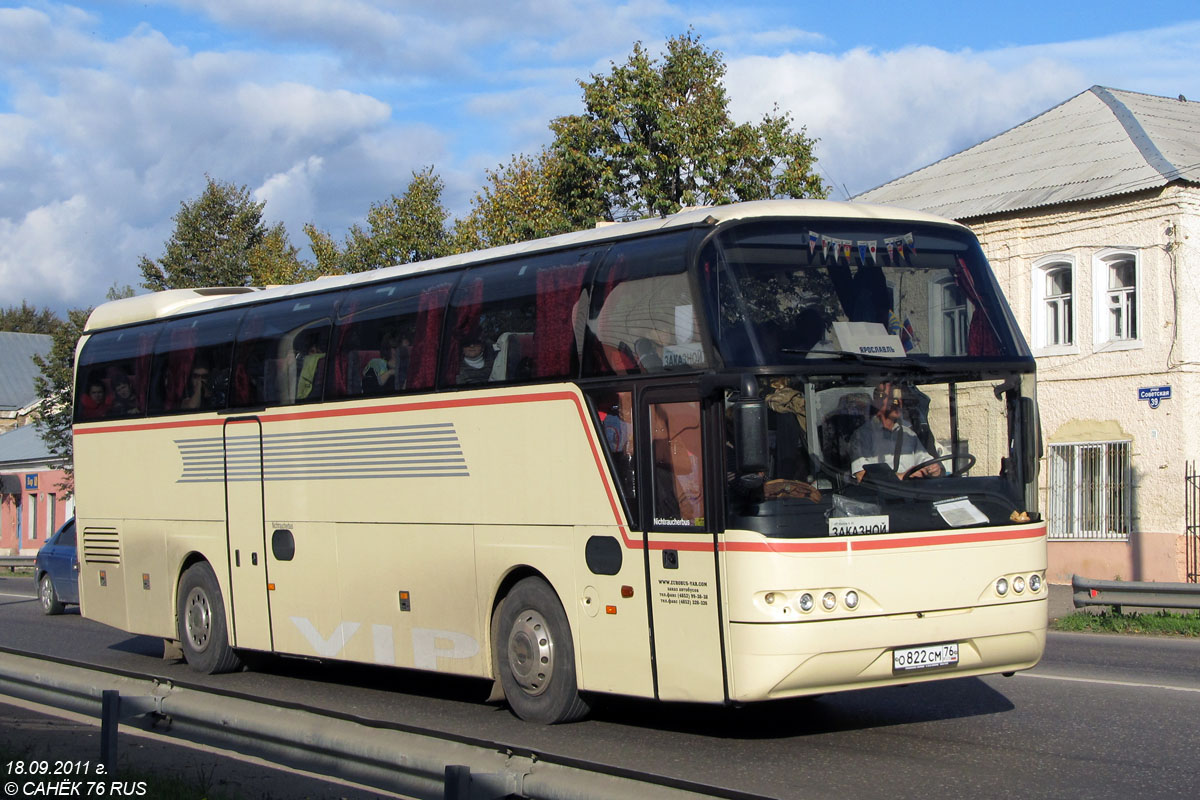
[684, 594]
[246, 532]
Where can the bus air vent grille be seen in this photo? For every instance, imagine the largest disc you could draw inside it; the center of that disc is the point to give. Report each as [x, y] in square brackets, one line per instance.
[101, 546]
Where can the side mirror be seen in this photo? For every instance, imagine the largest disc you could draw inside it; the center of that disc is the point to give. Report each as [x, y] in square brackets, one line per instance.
[750, 435]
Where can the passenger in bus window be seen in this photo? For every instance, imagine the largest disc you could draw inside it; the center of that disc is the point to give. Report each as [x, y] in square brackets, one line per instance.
[95, 404]
[310, 371]
[885, 440]
[124, 404]
[388, 371]
[477, 357]
[199, 387]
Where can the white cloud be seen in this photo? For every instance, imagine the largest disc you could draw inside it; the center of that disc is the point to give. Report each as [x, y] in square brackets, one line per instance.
[882, 115]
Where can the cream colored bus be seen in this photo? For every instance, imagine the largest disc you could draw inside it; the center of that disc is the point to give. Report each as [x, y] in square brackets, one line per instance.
[745, 452]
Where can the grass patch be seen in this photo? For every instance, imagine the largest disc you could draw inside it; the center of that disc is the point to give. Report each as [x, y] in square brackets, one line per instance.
[1161, 623]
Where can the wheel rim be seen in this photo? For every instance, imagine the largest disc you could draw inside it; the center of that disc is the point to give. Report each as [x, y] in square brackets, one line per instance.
[531, 652]
[47, 593]
[197, 619]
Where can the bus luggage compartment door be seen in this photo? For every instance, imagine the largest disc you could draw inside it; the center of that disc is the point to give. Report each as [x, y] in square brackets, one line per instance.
[682, 568]
[246, 532]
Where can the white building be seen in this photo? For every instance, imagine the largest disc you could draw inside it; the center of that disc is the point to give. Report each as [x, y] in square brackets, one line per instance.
[1090, 215]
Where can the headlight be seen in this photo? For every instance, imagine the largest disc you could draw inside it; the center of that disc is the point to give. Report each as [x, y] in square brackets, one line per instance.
[806, 602]
[769, 598]
[1018, 584]
[829, 600]
[1002, 587]
[851, 600]
[1035, 583]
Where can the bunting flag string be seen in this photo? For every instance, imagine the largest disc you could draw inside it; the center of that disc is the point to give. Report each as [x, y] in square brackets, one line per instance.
[895, 251]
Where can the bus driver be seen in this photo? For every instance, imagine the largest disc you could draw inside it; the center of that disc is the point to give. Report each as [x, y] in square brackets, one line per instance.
[885, 439]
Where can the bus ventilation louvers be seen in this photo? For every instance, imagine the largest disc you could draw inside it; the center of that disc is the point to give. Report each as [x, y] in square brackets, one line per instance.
[101, 546]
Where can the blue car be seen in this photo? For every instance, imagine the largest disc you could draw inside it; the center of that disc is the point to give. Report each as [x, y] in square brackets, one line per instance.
[57, 570]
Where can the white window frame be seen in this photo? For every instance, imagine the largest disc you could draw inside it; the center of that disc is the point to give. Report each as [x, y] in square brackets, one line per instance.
[1089, 492]
[1041, 268]
[1102, 261]
[937, 310]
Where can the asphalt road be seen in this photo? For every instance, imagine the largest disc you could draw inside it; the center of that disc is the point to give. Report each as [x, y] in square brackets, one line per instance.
[1101, 717]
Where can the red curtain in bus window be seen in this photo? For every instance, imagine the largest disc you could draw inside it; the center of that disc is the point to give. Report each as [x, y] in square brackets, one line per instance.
[339, 380]
[554, 333]
[469, 301]
[422, 366]
[981, 336]
[179, 365]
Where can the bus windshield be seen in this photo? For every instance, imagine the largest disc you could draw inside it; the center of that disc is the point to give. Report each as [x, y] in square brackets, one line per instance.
[889, 453]
[791, 292]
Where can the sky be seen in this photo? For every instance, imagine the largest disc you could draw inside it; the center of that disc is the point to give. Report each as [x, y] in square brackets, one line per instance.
[113, 113]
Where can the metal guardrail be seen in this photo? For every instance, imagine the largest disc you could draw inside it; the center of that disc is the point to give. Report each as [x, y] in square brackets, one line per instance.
[408, 762]
[16, 561]
[1142, 594]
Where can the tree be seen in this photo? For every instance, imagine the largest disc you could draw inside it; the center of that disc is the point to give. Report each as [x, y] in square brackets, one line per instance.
[220, 239]
[400, 230]
[27, 319]
[56, 385]
[517, 204]
[657, 136]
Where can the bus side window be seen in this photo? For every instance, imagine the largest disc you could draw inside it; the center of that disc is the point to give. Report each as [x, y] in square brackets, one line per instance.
[676, 455]
[614, 416]
[643, 317]
[386, 337]
[514, 322]
[114, 374]
[192, 362]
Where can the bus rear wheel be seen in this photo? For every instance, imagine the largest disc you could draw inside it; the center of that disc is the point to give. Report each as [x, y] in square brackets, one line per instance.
[535, 656]
[200, 622]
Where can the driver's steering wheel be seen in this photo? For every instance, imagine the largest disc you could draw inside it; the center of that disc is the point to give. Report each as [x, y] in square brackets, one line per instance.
[970, 459]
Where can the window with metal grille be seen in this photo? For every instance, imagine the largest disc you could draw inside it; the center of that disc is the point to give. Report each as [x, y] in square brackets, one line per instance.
[1090, 491]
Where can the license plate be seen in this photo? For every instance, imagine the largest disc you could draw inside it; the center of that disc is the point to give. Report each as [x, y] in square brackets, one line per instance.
[929, 656]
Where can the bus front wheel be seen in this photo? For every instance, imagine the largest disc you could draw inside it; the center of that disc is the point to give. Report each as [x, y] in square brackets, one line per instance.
[200, 622]
[535, 655]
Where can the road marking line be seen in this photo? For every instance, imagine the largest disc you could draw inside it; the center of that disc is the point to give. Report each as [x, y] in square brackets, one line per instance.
[1130, 684]
[22, 596]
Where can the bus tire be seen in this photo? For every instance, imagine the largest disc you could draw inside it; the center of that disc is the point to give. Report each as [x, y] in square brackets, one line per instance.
[48, 597]
[535, 655]
[200, 621]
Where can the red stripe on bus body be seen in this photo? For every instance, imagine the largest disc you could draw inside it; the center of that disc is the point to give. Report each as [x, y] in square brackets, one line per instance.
[426, 405]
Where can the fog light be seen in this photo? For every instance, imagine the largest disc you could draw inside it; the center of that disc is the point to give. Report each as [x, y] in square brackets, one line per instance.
[1018, 584]
[851, 600]
[770, 598]
[829, 600]
[1002, 587]
[806, 602]
[1035, 583]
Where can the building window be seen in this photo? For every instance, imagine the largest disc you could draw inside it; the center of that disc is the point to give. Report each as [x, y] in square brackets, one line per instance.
[1089, 493]
[951, 318]
[1054, 304]
[1118, 316]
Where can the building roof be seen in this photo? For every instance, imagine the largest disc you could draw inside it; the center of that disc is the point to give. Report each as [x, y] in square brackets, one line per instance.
[1100, 143]
[17, 370]
[21, 447]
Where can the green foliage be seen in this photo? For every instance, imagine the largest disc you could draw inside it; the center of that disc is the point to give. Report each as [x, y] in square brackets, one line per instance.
[517, 204]
[220, 239]
[657, 136]
[27, 319]
[1161, 623]
[56, 383]
[400, 230]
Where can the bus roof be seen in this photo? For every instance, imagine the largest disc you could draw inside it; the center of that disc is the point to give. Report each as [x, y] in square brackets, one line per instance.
[168, 303]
